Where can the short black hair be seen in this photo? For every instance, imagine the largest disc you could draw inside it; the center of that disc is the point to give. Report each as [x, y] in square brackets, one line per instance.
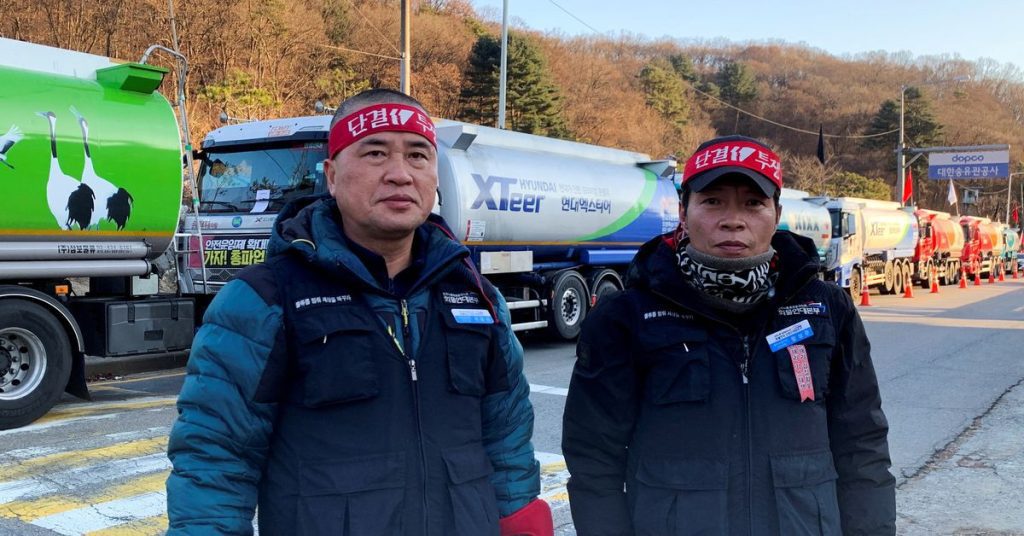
[373, 96]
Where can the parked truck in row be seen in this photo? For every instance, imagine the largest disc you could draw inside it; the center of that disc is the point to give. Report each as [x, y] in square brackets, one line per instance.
[873, 244]
[552, 223]
[93, 173]
[939, 249]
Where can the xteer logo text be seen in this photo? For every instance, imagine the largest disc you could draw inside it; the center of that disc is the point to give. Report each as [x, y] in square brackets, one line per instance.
[506, 200]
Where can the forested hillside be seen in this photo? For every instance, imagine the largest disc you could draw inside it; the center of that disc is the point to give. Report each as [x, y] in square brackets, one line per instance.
[273, 58]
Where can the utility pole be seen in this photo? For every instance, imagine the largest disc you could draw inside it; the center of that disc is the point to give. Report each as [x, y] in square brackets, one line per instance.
[405, 79]
[503, 76]
[901, 165]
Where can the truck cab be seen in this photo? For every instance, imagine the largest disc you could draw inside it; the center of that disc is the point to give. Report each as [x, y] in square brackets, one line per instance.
[247, 173]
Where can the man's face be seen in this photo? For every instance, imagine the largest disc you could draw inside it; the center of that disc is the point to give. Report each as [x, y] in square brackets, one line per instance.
[384, 185]
[731, 218]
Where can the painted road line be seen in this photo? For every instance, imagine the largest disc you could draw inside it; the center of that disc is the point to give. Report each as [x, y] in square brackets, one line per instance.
[78, 413]
[150, 526]
[1019, 309]
[159, 376]
[553, 479]
[76, 458]
[104, 515]
[71, 411]
[33, 509]
[548, 390]
[81, 478]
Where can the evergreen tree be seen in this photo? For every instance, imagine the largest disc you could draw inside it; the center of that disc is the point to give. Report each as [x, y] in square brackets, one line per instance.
[737, 86]
[533, 104]
[919, 124]
[664, 91]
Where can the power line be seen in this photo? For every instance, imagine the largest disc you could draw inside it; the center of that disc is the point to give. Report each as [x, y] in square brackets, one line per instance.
[357, 51]
[716, 99]
[380, 33]
[765, 119]
[567, 12]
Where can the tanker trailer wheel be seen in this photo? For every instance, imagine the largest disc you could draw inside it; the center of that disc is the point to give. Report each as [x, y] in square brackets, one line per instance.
[926, 280]
[897, 278]
[35, 362]
[908, 274]
[604, 289]
[856, 281]
[568, 306]
[890, 278]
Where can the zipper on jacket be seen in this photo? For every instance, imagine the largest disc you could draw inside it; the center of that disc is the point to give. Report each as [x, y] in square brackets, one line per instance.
[744, 369]
[406, 338]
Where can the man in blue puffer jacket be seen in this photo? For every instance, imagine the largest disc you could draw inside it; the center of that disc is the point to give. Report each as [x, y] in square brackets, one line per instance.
[365, 380]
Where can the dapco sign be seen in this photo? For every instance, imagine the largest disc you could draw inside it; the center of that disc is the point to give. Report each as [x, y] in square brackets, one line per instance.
[969, 165]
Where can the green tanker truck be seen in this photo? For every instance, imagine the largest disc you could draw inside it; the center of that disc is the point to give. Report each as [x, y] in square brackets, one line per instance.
[91, 162]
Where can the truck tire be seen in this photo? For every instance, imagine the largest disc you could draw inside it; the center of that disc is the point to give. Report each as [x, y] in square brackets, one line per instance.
[568, 305]
[855, 284]
[897, 278]
[35, 362]
[889, 271]
[604, 289]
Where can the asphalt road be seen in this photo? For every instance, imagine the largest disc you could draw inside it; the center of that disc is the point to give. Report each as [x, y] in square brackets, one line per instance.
[943, 362]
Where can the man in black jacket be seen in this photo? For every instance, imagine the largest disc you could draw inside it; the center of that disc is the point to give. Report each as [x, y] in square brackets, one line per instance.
[728, 390]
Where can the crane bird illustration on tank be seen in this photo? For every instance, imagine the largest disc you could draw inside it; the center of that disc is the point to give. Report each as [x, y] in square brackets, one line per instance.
[70, 201]
[7, 141]
[114, 203]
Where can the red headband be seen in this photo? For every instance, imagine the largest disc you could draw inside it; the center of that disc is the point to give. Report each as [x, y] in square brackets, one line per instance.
[387, 117]
[752, 156]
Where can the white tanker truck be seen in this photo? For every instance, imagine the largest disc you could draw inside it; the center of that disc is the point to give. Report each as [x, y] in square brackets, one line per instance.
[873, 244]
[552, 223]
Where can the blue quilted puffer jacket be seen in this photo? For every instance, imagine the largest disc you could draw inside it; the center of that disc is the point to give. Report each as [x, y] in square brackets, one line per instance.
[340, 408]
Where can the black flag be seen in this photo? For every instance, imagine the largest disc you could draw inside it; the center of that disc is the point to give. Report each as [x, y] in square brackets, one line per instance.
[821, 144]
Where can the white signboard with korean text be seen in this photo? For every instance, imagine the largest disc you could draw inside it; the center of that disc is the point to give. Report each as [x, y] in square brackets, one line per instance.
[969, 165]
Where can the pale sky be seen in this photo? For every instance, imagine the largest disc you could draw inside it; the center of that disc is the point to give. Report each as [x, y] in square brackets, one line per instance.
[972, 29]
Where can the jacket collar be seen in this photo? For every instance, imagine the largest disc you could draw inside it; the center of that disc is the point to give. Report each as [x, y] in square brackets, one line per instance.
[312, 228]
[655, 268]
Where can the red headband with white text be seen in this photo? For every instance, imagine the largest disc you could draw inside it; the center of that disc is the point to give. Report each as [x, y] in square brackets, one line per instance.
[387, 117]
[743, 154]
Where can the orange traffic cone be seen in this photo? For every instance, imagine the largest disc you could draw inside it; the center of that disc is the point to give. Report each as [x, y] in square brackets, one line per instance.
[1015, 268]
[963, 277]
[1002, 272]
[865, 299]
[908, 287]
[977, 275]
[935, 281]
[991, 273]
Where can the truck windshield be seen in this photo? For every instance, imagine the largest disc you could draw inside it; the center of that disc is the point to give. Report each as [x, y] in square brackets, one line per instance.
[259, 179]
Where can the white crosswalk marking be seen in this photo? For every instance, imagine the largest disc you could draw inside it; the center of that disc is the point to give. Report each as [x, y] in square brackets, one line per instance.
[105, 515]
[548, 390]
[116, 485]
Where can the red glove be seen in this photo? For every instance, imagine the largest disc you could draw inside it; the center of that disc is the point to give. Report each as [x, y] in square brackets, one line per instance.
[534, 519]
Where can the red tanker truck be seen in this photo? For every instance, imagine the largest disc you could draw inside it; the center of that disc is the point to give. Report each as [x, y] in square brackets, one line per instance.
[940, 246]
[983, 243]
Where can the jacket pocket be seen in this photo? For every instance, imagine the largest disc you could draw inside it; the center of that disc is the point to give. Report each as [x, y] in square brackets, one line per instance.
[354, 497]
[679, 369]
[474, 502]
[805, 494]
[819, 359]
[474, 367]
[680, 497]
[336, 356]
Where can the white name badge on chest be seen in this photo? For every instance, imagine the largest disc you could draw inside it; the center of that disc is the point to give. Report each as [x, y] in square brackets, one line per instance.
[791, 335]
[472, 316]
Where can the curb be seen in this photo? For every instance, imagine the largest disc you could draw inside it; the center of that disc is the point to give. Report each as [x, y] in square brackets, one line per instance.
[133, 364]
